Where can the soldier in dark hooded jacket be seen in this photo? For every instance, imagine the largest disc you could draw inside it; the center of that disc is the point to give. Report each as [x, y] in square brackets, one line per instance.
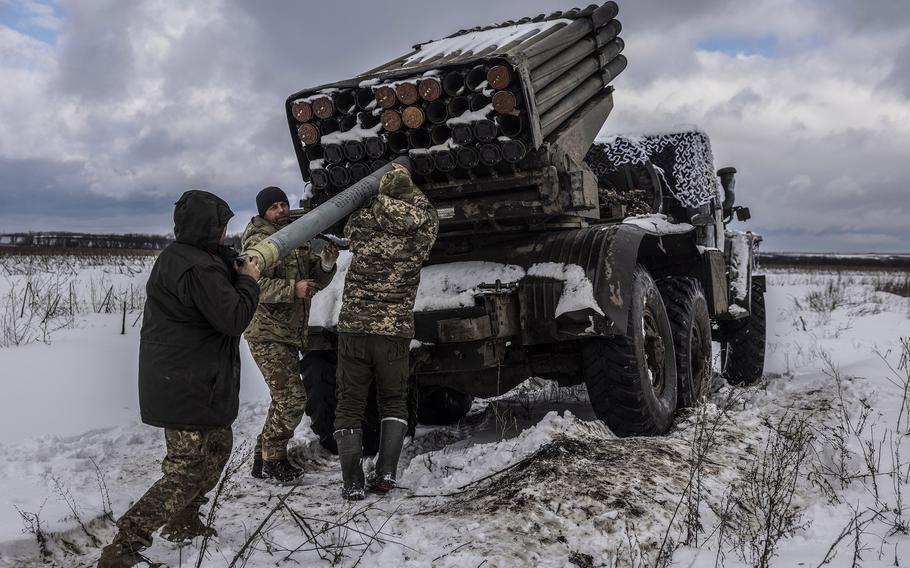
[196, 308]
[390, 239]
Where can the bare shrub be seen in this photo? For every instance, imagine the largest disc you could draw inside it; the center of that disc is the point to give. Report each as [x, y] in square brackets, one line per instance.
[900, 378]
[243, 555]
[867, 457]
[830, 297]
[505, 419]
[630, 553]
[66, 496]
[223, 492]
[707, 420]
[852, 533]
[44, 293]
[764, 511]
[899, 286]
[32, 525]
[107, 508]
[836, 460]
[353, 532]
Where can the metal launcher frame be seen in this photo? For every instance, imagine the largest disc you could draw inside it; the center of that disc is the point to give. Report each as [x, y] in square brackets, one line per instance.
[523, 102]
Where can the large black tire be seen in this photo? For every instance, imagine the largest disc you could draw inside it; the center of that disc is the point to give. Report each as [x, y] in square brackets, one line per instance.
[743, 342]
[632, 380]
[441, 405]
[687, 310]
[318, 370]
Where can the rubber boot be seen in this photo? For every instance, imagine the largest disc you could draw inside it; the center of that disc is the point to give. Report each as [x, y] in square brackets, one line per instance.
[350, 453]
[391, 437]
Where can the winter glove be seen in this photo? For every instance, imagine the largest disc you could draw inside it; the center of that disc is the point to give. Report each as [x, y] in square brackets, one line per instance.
[329, 255]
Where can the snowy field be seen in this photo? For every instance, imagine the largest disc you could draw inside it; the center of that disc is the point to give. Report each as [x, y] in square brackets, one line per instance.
[808, 468]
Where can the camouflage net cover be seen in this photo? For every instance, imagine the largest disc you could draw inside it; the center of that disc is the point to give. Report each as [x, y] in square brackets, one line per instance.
[684, 159]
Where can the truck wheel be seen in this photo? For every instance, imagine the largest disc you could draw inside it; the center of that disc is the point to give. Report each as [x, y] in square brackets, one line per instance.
[687, 310]
[441, 405]
[743, 343]
[631, 380]
[318, 370]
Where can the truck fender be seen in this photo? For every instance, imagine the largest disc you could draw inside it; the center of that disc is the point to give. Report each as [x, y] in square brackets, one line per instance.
[608, 254]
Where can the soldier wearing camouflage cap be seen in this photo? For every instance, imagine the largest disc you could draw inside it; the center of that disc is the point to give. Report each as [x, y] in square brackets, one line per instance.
[278, 332]
[390, 240]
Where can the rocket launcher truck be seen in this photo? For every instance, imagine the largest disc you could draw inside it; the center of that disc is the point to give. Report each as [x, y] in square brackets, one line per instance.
[619, 268]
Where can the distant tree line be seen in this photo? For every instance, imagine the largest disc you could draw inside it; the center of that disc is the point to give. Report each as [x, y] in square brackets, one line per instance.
[871, 260]
[68, 240]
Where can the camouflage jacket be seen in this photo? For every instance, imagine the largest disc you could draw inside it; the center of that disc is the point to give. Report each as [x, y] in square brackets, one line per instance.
[390, 240]
[281, 316]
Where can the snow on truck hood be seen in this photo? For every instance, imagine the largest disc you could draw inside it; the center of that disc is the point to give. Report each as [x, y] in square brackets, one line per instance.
[454, 285]
[658, 224]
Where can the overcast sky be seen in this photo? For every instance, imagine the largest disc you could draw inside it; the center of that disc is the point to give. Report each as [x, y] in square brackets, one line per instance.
[109, 109]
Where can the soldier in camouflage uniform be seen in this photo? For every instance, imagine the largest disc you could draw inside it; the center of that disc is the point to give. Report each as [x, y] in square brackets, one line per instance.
[278, 332]
[390, 239]
[198, 302]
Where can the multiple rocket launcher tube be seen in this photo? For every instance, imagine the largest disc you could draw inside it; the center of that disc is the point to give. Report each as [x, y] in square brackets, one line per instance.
[448, 123]
[461, 119]
[569, 65]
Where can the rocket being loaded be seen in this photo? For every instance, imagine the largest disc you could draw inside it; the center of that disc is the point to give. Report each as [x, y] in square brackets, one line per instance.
[283, 242]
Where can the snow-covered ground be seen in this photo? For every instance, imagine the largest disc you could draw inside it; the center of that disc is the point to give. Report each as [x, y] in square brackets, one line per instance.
[527, 479]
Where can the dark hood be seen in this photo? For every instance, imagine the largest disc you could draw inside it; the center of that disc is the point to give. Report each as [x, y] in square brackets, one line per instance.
[199, 219]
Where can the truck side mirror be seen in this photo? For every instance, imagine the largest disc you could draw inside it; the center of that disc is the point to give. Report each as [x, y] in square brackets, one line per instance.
[743, 214]
[728, 182]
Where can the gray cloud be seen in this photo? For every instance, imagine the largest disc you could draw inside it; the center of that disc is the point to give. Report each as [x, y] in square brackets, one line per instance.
[898, 80]
[44, 192]
[155, 144]
[95, 53]
[739, 104]
[871, 15]
[142, 100]
[50, 195]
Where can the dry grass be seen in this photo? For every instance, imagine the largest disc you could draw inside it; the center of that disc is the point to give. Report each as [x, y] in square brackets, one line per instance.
[41, 294]
[897, 286]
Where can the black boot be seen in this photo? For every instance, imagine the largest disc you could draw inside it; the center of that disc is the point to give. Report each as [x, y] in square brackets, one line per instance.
[281, 470]
[350, 453]
[391, 438]
[186, 526]
[119, 555]
[125, 551]
[257, 466]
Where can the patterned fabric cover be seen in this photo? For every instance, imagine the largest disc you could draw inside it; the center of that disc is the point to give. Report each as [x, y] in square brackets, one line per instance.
[684, 161]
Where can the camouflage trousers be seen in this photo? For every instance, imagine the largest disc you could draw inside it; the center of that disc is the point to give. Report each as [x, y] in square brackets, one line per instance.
[362, 359]
[191, 468]
[280, 366]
